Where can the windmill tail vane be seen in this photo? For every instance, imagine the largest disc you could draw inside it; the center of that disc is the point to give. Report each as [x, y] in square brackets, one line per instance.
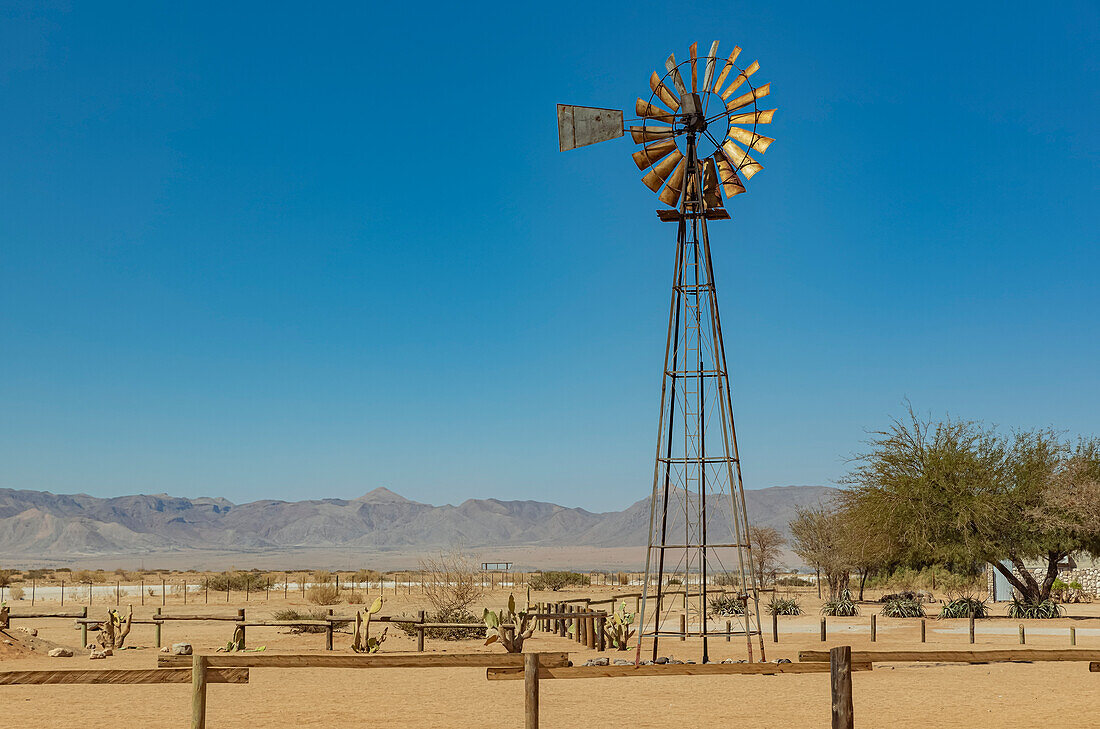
[696, 129]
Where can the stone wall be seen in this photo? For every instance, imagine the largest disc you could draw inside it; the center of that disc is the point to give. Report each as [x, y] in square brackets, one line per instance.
[1089, 577]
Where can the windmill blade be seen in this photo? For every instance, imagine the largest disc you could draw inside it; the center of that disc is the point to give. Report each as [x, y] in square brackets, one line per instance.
[662, 171]
[741, 160]
[579, 126]
[726, 69]
[741, 78]
[649, 134]
[663, 93]
[753, 141]
[708, 72]
[646, 110]
[693, 52]
[671, 194]
[711, 197]
[674, 72]
[749, 97]
[754, 117]
[731, 183]
[654, 152]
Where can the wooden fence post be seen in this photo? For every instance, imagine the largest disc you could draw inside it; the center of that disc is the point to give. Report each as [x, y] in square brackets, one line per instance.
[183, 585]
[840, 670]
[1022, 640]
[328, 632]
[971, 628]
[822, 629]
[775, 627]
[62, 592]
[141, 587]
[874, 628]
[84, 630]
[157, 626]
[198, 692]
[240, 617]
[729, 631]
[32, 591]
[923, 629]
[420, 634]
[683, 626]
[531, 691]
[1073, 636]
[590, 631]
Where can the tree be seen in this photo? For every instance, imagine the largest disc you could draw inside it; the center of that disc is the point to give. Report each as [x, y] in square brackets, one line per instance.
[818, 538]
[765, 544]
[958, 492]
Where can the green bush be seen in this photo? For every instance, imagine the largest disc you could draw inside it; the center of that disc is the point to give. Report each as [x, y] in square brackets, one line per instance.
[794, 581]
[323, 594]
[727, 605]
[238, 581]
[902, 607]
[558, 580]
[725, 579]
[448, 616]
[784, 606]
[965, 607]
[842, 607]
[1045, 610]
[310, 615]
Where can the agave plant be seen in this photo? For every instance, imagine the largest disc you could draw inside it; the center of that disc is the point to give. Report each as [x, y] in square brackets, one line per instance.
[508, 627]
[784, 606]
[842, 607]
[617, 628]
[361, 641]
[965, 607]
[902, 607]
[1045, 610]
[728, 605]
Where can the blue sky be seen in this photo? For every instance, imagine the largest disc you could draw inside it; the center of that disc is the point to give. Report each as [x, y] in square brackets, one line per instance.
[251, 251]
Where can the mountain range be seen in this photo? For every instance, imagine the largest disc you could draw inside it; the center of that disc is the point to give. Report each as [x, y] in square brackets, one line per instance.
[41, 525]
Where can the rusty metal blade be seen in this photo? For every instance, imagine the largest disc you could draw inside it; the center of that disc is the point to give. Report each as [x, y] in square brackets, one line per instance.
[579, 126]
[741, 77]
[663, 92]
[731, 183]
[740, 159]
[754, 117]
[711, 196]
[649, 134]
[693, 52]
[671, 194]
[708, 72]
[674, 73]
[726, 69]
[753, 141]
[646, 110]
[662, 171]
[748, 97]
[654, 152]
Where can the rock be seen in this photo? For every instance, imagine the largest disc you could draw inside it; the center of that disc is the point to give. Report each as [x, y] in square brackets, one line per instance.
[783, 660]
[602, 661]
[181, 649]
[108, 652]
[728, 660]
[674, 662]
[60, 653]
[662, 660]
[165, 649]
[623, 662]
[28, 631]
[96, 654]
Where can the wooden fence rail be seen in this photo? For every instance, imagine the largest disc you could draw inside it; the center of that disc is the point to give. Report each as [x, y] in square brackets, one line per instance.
[371, 660]
[676, 669]
[1015, 655]
[120, 676]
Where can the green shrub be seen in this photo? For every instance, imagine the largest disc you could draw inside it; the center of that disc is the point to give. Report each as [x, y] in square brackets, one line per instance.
[727, 605]
[794, 581]
[965, 607]
[323, 594]
[784, 606]
[1045, 610]
[310, 615]
[842, 607]
[558, 580]
[725, 579]
[447, 616]
[902, 607]
[238, 581]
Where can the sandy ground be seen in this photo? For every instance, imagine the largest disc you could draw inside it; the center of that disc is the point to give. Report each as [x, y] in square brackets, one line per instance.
[901, 695]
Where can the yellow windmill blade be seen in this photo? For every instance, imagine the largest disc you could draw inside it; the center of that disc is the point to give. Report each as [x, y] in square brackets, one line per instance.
[752, 140]
[731, 183]
[754, 117]
[674, 73]
[708, 70]
[650, 155]
[748, 97]
[726, 68]
[671, 194]
[740, 159]
[740, 79]
[646, 110]
[662, 171]
[663, 92]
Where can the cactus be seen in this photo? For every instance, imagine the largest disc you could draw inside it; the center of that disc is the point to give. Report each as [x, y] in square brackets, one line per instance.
[617, 628]
[361, 641]
[236, 643]
[508, 627]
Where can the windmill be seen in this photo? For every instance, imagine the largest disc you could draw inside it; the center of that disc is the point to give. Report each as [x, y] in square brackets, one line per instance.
[696, 142]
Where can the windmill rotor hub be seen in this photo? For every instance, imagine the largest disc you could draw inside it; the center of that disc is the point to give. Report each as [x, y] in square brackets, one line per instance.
[693, 117]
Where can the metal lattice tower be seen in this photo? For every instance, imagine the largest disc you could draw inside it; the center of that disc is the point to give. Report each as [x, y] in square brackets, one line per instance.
[698, 548]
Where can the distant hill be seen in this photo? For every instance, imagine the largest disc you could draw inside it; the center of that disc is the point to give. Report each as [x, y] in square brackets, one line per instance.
[40, 524]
